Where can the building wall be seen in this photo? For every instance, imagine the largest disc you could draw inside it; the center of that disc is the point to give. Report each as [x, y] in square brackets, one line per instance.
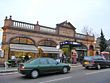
[64, 31]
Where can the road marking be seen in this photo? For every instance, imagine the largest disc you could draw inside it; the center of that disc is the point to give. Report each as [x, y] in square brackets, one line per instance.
[57, 79]
[97, 72]
[1, 74]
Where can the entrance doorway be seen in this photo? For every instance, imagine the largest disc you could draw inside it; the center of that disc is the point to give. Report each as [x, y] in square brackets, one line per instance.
[67, 47]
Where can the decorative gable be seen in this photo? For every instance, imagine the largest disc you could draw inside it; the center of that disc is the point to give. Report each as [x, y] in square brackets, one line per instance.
[66, 28]
[66, 25]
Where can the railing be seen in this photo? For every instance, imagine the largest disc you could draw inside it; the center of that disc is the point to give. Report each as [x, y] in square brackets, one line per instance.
[47, 29]
[82, 36]
[23, 25]
[28, 26]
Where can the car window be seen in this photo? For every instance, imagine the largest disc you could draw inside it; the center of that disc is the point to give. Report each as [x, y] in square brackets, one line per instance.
[34, 61]
[43, 61]
[98, 58]
[87, 58]
[29, 61]
[51, 61]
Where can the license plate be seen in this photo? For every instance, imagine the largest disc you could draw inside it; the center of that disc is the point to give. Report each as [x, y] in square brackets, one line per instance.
[86, 62]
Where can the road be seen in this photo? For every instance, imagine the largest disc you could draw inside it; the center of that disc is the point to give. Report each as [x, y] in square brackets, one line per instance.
[76, 75]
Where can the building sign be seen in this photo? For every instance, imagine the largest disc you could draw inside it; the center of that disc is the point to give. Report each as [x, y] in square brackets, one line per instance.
[69, 42]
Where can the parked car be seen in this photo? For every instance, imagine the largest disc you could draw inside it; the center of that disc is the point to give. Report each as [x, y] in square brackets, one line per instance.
[38, 66]
[95, 62]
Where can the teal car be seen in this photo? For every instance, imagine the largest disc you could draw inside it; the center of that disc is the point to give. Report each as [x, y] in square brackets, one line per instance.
[35, 67]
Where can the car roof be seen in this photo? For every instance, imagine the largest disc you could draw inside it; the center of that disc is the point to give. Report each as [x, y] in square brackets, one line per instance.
[38, 59]
[92, 57]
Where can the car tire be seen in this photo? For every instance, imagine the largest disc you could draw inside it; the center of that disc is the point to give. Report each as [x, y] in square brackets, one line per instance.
[98, 67]
[65, 70]
[34, 74]
[86, 67]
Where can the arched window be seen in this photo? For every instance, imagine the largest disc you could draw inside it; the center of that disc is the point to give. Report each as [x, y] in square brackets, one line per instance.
[47, 43]
[22, 40]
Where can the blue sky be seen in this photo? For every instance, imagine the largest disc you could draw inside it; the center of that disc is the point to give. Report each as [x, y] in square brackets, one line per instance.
[94, 14]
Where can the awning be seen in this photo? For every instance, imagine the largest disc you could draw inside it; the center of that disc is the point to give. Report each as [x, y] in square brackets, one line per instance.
[23, 48]
[49, 49]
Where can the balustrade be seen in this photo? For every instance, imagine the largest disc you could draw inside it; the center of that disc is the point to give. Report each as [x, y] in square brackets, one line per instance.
[23, 25]
[82, 36]
[28, 26]
[48, 30]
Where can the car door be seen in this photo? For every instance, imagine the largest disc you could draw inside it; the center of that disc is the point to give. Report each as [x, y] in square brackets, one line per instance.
[44, 67]
[108, 63]
[54, 65]
[103, 62]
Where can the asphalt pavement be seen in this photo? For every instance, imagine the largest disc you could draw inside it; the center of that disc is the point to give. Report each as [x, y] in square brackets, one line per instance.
[14, 69]
[77, 75]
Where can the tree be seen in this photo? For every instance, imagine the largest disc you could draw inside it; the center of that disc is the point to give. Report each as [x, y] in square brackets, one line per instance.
[86, 30]
[103, 43]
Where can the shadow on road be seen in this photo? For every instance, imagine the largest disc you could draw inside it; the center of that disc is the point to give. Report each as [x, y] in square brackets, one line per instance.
[42, 76]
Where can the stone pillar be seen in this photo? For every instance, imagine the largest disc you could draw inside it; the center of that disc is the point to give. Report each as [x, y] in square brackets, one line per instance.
[37, 27]
[5, 48]
[8, 22]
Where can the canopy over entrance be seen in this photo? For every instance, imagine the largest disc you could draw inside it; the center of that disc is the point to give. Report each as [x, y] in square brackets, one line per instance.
[23, 48]
[49, 49]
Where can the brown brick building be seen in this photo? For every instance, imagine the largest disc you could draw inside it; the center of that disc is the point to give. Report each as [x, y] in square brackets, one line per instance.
[21, 38]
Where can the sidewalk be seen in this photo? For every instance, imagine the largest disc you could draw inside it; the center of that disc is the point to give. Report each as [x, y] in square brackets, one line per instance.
[75, 65]
[7, 70]
[14, 69]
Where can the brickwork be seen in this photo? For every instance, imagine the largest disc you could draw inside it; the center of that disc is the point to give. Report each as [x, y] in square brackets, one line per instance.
[64, 31]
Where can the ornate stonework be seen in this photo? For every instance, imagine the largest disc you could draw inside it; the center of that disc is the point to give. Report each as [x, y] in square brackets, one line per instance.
[63, 31]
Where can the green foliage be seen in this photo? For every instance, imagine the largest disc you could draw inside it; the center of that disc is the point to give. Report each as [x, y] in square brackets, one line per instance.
[103, 43]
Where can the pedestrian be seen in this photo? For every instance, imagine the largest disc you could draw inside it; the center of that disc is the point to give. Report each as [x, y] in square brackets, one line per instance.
[61, 56]
[26, 58]
[81, 57]
[64, 58]
[74, 56]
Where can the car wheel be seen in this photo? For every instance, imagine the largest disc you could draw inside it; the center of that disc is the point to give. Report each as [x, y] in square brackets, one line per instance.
[34, 74]
[98, 67]
[64, 70]
[86, 67]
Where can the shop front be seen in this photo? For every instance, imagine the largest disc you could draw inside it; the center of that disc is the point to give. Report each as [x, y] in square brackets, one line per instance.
[20, 51]
[51, 52]
[68, 46]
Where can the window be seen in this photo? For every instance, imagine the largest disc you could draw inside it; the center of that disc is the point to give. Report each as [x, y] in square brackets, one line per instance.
[29, 41]
[43, 61]
[98, 58]
[47, 43]
[51, 61]
[15, 41]
[21, 40]
[36, 61]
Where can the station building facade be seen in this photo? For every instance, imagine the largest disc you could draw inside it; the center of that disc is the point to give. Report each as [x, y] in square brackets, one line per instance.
[35, 40]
